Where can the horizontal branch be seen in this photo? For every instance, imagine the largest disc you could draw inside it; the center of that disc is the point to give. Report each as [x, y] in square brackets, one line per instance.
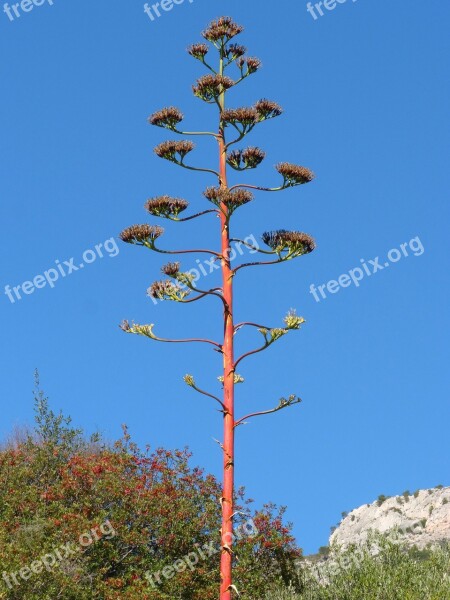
[147, 331]
[255, 248]
[199, 297]
[210, 133]
[283, 404]
[188, 340]
[204, 212]
[181, 164]
[193, 251]
[257, 264]
[249, 324]
[257, 187]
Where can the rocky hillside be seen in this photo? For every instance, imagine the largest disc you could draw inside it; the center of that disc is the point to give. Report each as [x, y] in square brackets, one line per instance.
[422, 517]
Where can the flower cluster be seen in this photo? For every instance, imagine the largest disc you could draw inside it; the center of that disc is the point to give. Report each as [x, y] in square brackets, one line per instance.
[167, 118]
[272, 335]
[249, 158]
[292, 320]
[237, 379]
[248, 117]
[295, 243]
[166, 290]
[294, 174]
[142, 235]
[252, 64]
[171, 269]
[198, 51]
[291, 400]
[222, 30]
[245, 116]
[267, 109]
[146, 330]
[166, 206]
[170, 149]
[189, 380]
[234, 51]
[232, 199]
[210, 87]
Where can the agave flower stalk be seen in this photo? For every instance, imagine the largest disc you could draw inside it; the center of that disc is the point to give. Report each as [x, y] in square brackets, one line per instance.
[282, 245]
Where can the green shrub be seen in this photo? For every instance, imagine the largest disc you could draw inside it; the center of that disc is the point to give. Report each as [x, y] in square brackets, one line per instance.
[395, 573]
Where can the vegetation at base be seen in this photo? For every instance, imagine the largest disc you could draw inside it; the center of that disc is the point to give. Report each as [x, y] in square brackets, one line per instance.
[381, 569]
[57, 485]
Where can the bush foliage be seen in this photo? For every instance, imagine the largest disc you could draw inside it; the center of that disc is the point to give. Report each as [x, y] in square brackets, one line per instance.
[382, 569]
[58, 485]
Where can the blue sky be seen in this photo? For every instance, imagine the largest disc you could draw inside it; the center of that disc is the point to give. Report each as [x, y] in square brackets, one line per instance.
[366, 99]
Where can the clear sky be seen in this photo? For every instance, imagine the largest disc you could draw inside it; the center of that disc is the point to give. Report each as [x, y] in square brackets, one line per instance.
[365, 90]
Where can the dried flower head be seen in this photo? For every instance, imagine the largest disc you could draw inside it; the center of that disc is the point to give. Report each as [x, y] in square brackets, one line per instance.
[167, 118]
[198, 51]
[222, 30]
[166, 290]
[171, 269]
[252, 64]
[249, 158]
[245, 116]
[170, 149]
[209, 87]
[143, 235]
[294, 174]
[125, 326]
[232, 199]
[267, 109]
[234, 51]
[166, 206]
[295, 243]
[252, 157]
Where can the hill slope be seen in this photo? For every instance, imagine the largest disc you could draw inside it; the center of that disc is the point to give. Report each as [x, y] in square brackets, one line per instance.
[423, 518]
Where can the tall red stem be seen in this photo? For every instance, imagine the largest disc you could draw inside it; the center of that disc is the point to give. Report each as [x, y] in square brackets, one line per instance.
[226, 561]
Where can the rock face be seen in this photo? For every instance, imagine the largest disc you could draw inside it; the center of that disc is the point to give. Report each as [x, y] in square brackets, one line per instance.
[422, 517]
